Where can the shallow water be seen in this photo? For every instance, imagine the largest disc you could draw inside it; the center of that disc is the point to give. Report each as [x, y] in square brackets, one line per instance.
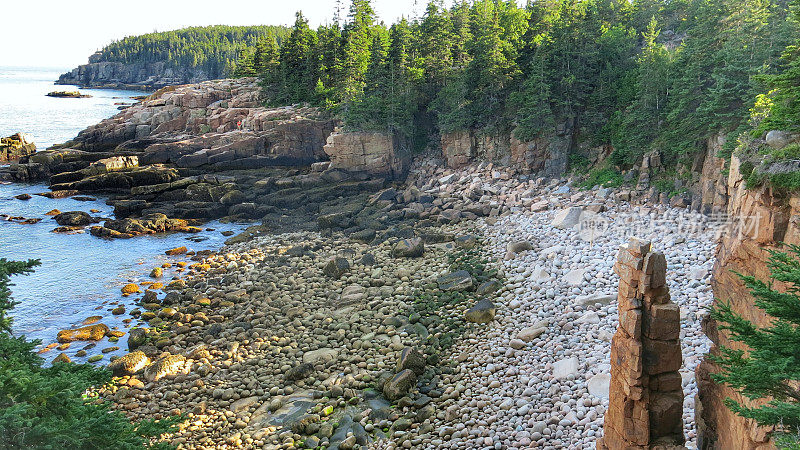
[81, 275]
[24, 107]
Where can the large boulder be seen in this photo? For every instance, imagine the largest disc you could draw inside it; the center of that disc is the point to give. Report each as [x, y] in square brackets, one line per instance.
[93, 332]
[399, 385]
[460, 280]
[166, 366]
[129, 364]
[567, 218]
[74, 219]
[483, 312]
[409, 248]
[410, 358]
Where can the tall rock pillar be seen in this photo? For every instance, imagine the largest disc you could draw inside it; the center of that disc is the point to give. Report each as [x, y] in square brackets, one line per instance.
[645, 407]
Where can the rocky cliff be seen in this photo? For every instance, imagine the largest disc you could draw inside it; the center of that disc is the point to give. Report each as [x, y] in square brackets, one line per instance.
[144, 76]
[758, 220]
[546, 156]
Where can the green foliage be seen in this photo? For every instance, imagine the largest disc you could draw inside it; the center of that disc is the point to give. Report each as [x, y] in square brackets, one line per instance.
[638, 76]
[604, 177]
[770, 367]
[212, 49]
[49, 407]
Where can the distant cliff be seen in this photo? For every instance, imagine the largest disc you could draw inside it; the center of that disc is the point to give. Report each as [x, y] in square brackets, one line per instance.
[145, 76]
[155, 60]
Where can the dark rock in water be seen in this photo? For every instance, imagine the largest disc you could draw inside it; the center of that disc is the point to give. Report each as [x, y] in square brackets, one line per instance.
[136, 337]
[67, 94]
[483, 312]
[299, 372]
[457, 281]
[409, 248]
[399, 385]
[23, 197]
[74, 219]
[336, 267]
[62, 358]
[84, 198]
[412, 359]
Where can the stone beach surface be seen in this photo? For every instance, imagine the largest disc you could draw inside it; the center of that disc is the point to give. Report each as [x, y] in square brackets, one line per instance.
[486, 316]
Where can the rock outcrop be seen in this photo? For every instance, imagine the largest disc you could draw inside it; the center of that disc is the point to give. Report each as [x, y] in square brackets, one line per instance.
[145, 76]
[645, 408]
[546, 155]
[15, 147]
[758, 220]
[371, 152]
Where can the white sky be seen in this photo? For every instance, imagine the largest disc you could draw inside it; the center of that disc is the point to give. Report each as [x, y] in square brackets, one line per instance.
[48, 33]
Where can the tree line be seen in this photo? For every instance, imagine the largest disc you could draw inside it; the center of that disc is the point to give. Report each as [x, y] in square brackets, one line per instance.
[637, 75]
[213, 49]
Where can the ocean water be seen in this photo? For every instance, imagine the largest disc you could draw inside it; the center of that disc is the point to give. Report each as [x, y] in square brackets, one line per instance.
[24, 107]
[80, 275]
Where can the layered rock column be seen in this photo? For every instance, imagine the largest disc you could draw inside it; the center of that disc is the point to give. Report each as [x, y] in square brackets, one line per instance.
[645, 408]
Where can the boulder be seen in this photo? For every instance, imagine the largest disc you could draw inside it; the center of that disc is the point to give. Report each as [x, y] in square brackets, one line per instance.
[299, 372]
[778, 139]
[399, 385]
[352, 295]
[129, 364]
[565, 367]
[336, 267]
[567, 218]
[410, 358]
[93, 332]
[483, 312]
[599, 385]
[456, 281]
[136, 337]
[409, 248]
[166, 366]
[322, 354]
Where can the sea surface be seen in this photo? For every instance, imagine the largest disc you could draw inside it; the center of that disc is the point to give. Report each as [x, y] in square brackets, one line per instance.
[80, 275]
[24, 107]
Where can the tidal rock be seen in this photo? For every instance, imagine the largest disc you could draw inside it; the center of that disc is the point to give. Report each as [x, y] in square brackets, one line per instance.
[74, 219]
[62, 358]
[336, 267]
[299, 372]
[136, 338]
[129, 364]
[89, 333]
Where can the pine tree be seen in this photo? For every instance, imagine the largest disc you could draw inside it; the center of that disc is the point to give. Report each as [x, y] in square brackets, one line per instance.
[770, 367]
[358, 35]
[299, 69]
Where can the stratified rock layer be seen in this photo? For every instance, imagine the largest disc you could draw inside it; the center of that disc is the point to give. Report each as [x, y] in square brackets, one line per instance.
[645, 397]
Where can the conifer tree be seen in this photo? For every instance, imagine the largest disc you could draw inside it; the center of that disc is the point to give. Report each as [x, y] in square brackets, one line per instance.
[358, 35]
[770, 367]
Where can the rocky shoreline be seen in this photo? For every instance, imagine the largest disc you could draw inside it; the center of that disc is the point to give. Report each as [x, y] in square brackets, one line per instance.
[496, 335]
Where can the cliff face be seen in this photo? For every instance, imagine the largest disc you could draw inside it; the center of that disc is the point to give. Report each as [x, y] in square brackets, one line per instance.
[145, 76]
[212, 124]
[547, 155]
[758, 221]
